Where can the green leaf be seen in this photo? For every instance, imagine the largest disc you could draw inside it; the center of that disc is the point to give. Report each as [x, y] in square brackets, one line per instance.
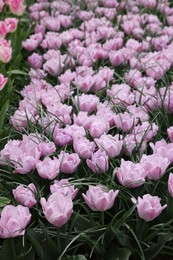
[123, 219]
[156, 248]
[18, 72]
[4, 201]
[170, 206]
[82, 223]
[34, 239]
[116, 253]
[3, 112]
[73, 257]
[6, 251]
[122, 238]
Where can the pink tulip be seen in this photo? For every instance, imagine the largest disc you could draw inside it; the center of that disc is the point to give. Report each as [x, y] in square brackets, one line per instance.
[87, 103]
[148, 3]
[98, 126]
[109, 144]
[46, 148]
[155, 165]
[99, 162]
[170, 133]
[125, 121]
[48, 168]
[5, 51]
[11, 24]
[121, 94]
[62, 137]
[17, 7]
[57, 209]
[1, 5]
[25, 195]
[65, 187]
[148, 207]
[163, 149]
[83, 147]
[13, 221]
[33, 41]
[75, 131]
[98, 198]
[130, 174]
[52, 23]
[3, 81]
[68, 162]
[53, 66]
[116, 58]
[170, 184]
[3, 29]
[51, 41]
[35, 61]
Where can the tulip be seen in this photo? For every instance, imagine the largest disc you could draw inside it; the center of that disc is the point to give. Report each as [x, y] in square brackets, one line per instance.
[68, 162]
[148, 207]
[130, 174]
[170, 184]
[99, 162]
[25, 196]
[57, 209]
[3, 81]
[14, 220]
[64, 187]
[48, 168]
[99, 199]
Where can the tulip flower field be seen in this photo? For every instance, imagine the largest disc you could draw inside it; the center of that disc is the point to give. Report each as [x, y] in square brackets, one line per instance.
[86, 129]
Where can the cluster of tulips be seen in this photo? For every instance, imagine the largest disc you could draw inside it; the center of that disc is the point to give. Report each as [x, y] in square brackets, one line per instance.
[97, 84]
[8, 25]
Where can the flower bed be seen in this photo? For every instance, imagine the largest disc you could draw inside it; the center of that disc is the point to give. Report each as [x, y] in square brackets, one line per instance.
[89, 176]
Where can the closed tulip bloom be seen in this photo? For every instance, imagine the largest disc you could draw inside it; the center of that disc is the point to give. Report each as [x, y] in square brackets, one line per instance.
[57, 209]
[53, 66]
[65, 187]
[125, 121]
[170, 184]
[52, 23]
[17, 7]
[1, 5]
[5, 51]
[116, 58]
[35, 61]
[68, 162]
[25, 195]
[109, 144]
[162, 148]
[3, 81]
[98, 198]
[148, 207]
[170, 133]
[46, 148]
[62, 137]
[11, 24]
[48, 168]
[98, 126]
[87, 103]
[99, 162]
[13, 221]
[83, 147]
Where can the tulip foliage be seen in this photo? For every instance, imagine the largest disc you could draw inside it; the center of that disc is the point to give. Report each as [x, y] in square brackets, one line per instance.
[87, 149]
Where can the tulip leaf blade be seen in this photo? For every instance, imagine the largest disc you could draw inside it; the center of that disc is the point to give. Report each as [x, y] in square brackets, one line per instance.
[74, 257]
[116, 253]
[4, 201]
